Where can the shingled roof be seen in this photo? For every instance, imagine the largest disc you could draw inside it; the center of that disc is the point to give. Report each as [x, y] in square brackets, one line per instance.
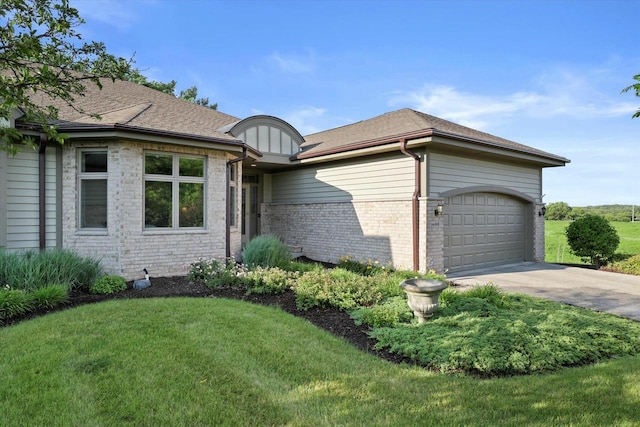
[126, 105]
[397, 124]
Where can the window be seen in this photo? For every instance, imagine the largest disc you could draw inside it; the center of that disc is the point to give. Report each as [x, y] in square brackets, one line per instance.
[173, 191]
[233, 195]
[92, 182]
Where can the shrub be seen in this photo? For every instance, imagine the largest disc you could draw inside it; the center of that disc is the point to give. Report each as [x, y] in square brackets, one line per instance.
[108, 285]
[630, 265]
[272, 280]
[14, 302]
[389, 313]
[266, 251]
[302, 267]
[338, 288]
[471, 334]
[49, 296]
[369, 268]
[31, 270]
[217, 272]
[593, 239]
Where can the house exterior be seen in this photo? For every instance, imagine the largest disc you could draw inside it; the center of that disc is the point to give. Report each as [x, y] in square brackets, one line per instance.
[158, 182]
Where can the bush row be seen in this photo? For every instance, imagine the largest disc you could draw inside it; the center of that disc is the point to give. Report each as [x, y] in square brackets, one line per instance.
[15, 302]
[30, 270]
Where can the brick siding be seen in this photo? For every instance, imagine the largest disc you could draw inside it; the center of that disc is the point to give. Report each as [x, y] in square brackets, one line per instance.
[125, 248]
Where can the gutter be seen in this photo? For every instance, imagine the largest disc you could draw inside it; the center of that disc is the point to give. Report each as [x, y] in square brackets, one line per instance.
[228, 207]
[415, 214]
[42, 201]
[431, 132]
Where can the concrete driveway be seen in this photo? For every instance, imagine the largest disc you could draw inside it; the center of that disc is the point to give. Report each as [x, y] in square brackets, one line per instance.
[597, 290]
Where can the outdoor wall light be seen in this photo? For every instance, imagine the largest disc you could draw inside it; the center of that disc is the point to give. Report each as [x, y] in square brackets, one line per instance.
[543, 211]
[438, 210]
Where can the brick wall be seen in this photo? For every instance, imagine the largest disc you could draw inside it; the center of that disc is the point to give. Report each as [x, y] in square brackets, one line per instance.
[434, 237]
[125, 248]
[375, 230]
[538, 233]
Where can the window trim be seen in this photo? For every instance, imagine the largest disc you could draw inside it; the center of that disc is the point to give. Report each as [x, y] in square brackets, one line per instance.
[175, 179]
[88, 176]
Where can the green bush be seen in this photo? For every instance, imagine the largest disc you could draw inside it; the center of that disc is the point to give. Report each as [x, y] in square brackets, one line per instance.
[630, 265]
[338, 288]
[389, 313]
[519, 335]
[266, 251]
[30, 270]
[217, 272]
[14, 302]
[108, 285]
[49, 296]
[302, 267]
[271, 280]
[368, 268]
[593, 239]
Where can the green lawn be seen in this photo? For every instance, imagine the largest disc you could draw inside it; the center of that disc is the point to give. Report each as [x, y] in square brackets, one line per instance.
[188, 362]
[557, 249]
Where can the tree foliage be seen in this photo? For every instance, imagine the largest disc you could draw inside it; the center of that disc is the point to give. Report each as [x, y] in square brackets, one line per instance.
[189, 94]
[593, 239]
[636, 88]
[41, 52]
[558, 211]
[613, 213]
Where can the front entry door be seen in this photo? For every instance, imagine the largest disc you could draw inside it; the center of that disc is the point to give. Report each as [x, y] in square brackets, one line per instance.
[249, 212]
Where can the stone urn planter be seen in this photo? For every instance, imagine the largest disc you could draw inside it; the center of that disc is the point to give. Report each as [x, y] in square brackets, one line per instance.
[423, 295]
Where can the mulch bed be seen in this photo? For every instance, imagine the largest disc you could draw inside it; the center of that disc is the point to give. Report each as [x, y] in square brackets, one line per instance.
[333, 320]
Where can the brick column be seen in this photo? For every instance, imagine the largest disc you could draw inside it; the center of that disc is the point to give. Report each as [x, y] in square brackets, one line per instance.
[538, 233]
[435, 236]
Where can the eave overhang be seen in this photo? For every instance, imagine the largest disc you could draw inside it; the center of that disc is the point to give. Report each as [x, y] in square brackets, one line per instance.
[430, 137]
[110, 131]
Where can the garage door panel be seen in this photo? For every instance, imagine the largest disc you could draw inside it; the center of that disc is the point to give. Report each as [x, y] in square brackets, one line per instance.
[483, 229]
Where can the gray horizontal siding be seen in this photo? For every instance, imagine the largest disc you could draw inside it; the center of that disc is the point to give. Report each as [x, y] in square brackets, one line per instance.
[22, 204]
[382, 178]
[446, 172]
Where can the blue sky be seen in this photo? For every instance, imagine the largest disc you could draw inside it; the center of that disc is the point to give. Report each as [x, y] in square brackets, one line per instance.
[547, 74]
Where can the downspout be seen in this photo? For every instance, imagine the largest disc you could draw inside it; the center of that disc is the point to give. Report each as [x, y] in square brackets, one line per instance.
[42, 201]
[414, 203]
[228, 215]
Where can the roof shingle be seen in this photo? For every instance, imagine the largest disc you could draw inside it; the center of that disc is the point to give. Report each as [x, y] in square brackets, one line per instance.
[402, 122]
[133, 105]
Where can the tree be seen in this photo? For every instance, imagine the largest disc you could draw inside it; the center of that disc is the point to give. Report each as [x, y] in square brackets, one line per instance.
[558, 211]
[593, 239]
[190, 94]
[635, 87]
[42, 53]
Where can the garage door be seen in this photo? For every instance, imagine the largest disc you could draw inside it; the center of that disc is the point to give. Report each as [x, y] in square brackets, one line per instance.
[483, 229]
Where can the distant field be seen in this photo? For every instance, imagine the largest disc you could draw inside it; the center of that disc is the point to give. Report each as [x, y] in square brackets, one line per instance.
[557, 250]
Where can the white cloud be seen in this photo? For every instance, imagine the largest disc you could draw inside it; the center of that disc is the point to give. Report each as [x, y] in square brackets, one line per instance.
[116, 13]
[558, 94]
[293, 64]
[309, 119]
[305, 120]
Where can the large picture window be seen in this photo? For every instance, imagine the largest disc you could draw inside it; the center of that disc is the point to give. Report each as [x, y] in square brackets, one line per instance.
[173, 191]
[92, 194]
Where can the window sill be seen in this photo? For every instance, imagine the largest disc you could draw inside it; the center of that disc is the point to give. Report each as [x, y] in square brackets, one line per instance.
[92, 232]
[157, 231]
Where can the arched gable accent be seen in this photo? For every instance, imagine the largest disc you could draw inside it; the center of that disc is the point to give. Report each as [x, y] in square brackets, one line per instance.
[488, 189]
[267, 134]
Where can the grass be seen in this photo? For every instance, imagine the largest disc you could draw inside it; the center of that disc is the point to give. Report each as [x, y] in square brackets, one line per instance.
[181, 362]
[557, 249]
